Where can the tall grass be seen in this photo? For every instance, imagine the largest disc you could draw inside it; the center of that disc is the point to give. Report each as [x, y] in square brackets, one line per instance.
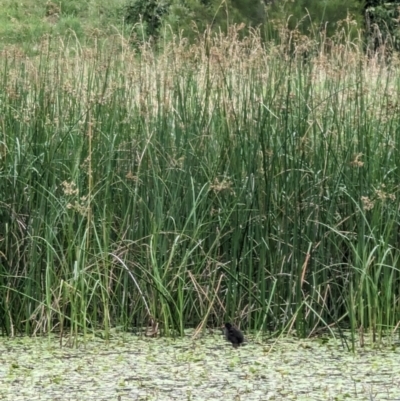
[223, 180]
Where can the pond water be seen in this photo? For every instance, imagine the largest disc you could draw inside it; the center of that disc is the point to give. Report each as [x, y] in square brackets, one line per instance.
[129, 367]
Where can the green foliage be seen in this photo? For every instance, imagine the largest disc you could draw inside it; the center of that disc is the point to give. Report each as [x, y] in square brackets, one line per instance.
[250, 12]
[148, 13]
[21, 22]
[27, 22]
[193, 17]
[382, 24]
[311, 17]
[69, 24]
[72, 7]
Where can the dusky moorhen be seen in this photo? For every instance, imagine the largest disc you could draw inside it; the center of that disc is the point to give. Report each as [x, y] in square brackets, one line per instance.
[233, 335]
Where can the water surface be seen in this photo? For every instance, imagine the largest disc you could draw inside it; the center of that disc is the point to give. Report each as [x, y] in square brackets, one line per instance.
[130, 367]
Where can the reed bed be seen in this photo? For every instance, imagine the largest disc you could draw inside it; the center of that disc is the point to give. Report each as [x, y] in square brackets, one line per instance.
[222, 180]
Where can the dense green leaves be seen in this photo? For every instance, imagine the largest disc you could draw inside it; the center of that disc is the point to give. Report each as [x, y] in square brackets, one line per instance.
[149, 14]
[312, 17]
[382, 25]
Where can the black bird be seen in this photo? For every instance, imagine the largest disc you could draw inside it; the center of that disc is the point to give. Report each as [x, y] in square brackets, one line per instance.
[233, 335]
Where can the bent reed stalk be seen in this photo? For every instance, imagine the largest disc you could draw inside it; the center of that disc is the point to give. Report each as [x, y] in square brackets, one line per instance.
[226, 179]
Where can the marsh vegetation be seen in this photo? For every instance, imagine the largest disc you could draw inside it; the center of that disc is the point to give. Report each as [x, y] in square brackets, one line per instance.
[226, 179]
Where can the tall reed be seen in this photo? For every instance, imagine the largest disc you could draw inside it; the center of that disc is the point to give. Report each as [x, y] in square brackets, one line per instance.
[220, 180]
